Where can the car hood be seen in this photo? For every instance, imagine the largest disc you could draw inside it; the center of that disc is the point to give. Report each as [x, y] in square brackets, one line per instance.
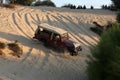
[70, 43]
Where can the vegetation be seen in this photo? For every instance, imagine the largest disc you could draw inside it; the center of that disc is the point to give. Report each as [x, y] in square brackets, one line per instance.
[71, 6]
[116, 3]
[105, 7]
[97, 30]
[23, 2]
[105, 61]
[44, 3]
[91, 7]
[110, 7]
[2, 45]
[17, 51]
[79, 7]
[84, 7]
[1, 52]
[48, 3]
[118, 17]
[11, 6]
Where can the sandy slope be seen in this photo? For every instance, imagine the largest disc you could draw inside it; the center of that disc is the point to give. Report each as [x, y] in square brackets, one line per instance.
[39, 62]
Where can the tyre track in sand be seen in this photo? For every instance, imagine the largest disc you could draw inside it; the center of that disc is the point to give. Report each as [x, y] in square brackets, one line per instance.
[22, 15]
[76, 27]
[19, 25]
[25, 20]
[38, 18]
[71, 32]
[14, 24]
[20, 10]
[66, 27]
[61, 25]
[33, 18]
[28, 21]
[84, 29]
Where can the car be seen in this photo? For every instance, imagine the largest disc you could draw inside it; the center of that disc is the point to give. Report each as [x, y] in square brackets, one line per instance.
[57, 38]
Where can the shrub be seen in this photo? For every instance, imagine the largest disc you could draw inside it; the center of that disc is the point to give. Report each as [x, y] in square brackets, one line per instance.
[11, 6]
[118, 17]
[71, 6]
[97, 30]
[2, 45]
[48, 3]
[44, 3]
[24, 2]
[84, 7]
[67, 5]
[91, 7]
[17, 51]
[116, 3]
[37, 3]
[1, 52]
[105, 61]
[79, 7]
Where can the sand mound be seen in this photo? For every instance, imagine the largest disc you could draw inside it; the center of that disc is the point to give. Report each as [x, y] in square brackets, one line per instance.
[37, 61]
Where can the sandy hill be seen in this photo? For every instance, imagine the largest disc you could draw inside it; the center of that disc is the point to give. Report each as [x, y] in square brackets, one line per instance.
[37, 61]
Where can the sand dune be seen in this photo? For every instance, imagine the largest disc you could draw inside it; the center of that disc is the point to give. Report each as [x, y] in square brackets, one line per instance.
[37, 61]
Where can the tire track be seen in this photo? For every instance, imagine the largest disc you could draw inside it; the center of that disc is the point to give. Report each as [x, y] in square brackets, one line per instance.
[27, 22]
[48, 19]
[23, 22]
[20, 11]
[19, 15]
[33, 18]
[83, 41]
[64, 27]
[72, 35]
[80, 31]
[85, 31]
[15, 18]
[38, 18]
[14, 23]
[25, 10]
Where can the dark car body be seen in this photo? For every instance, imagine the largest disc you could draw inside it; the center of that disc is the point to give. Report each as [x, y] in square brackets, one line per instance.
[56, 37]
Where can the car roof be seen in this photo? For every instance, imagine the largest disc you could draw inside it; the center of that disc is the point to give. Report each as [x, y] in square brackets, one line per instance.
[52, 28]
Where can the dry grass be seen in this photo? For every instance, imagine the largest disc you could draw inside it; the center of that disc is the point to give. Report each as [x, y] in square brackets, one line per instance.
[10, 6]
[17, 51]
[1, 52]
[2, 45]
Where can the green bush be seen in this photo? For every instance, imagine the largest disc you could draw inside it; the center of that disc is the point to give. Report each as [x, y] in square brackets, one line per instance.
[105, 61]
[116, 3]
[44, 3]
[118, 17]
[48, 3]
[1, 52]
[24, 2]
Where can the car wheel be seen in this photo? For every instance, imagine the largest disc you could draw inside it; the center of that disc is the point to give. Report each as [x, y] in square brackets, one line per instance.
[73, 54]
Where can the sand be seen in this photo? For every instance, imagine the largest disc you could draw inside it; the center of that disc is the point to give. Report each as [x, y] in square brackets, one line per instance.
[37, 61]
